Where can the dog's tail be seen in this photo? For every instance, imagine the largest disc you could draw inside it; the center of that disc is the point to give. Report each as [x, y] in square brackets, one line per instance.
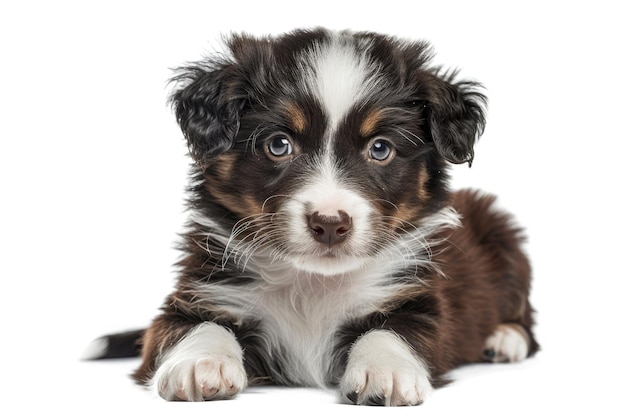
[118, 345]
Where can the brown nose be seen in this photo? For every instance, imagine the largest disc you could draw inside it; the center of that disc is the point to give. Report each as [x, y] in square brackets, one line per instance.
[330, 230]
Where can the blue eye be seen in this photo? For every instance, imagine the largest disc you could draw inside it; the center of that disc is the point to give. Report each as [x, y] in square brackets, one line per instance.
[279, 146]
[380, 150]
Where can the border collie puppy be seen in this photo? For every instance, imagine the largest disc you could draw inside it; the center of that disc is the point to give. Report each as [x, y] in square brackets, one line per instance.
[323, 246]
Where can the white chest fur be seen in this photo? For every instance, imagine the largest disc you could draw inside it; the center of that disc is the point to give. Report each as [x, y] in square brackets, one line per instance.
[304, 316]
[299, 313]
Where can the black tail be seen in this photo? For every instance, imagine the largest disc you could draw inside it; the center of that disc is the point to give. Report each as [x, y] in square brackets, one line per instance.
[118, 345]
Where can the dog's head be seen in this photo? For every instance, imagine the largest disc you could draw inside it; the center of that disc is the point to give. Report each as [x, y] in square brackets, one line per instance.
[320, 147]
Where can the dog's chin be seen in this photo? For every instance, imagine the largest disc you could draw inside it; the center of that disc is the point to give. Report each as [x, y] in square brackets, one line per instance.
[328, 265]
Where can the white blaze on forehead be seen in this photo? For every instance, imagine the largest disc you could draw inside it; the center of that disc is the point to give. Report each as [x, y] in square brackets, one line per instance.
[326, 194]
[339, 76]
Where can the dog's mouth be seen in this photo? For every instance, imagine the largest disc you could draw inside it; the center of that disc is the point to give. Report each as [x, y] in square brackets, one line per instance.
[328, 266]
[329, 261]
[330, 253]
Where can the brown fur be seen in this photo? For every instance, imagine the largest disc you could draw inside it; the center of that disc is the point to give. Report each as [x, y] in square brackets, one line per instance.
[483, 264]
[482, 280]
[231, 113]
[448, 317]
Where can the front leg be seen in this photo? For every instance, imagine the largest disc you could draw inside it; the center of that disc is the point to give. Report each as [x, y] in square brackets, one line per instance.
[206, 364]
[383, 369]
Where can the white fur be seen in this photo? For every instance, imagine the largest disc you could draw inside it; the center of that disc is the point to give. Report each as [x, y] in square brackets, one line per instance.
[509, 342]
[383, 366]
[206, 364]
[96, 349]
[325, 194]
[300, 311]
[339, 77]
[303, 292]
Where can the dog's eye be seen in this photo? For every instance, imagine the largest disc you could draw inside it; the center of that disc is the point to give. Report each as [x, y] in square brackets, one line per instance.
[380, 150]
[279, 146]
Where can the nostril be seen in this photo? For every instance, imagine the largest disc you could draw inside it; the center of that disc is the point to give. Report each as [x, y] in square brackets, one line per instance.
[330, 230]
[343, 231]
[318, 230]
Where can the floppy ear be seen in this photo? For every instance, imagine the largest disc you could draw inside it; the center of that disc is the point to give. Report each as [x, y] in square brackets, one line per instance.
[456, 117]
[207, 103]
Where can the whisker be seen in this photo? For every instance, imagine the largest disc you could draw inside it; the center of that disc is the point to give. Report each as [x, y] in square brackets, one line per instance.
[238, 229]
[251, 234]
[387, 202]
[271, 197]
[252, 138]
[402, 131]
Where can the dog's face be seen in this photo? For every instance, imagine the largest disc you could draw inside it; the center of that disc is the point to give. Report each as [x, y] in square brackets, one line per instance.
[323, 148]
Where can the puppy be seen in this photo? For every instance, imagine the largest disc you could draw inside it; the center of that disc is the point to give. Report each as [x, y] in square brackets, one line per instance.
[323, 246]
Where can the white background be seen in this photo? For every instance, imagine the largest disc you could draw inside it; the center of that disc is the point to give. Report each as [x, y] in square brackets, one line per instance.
[93, 166]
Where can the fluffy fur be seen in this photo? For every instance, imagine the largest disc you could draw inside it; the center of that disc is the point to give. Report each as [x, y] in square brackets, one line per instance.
[323, 246]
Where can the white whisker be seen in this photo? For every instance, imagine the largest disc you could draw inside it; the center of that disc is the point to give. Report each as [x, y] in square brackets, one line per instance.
[402, 131]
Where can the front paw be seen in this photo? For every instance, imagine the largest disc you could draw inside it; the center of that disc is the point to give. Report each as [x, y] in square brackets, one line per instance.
[209, 378]
[206, 365]
[384, 370]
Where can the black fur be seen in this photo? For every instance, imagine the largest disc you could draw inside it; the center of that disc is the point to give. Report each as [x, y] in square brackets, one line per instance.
[231, 107]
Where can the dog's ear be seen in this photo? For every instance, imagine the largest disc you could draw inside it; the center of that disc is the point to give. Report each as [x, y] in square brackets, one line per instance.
[208, 101]
[456, 116]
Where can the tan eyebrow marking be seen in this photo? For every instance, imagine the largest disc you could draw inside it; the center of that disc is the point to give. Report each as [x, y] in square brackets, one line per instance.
[369, 123]
[297, 117]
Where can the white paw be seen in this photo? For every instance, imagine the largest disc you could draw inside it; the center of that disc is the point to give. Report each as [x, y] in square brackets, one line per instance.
[205, 365]
[508, 343]
[384, 370]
